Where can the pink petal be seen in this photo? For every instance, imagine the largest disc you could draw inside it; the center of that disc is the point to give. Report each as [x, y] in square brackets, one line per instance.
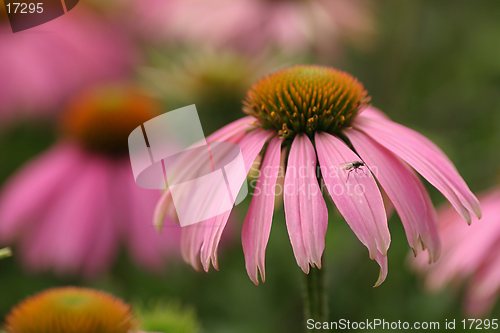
[212, 236]
[191, 241]
[305, 209]
[257, 225]
[485, 286]
[106, 239]
[51, 62]
[479, 306]
[148, 247]
[236, 127]
[104, 249]
[28, 194]
[371, 112]
[66, 234]
[426, 158]
[470, 253]
[203, 238]
[405, 191]
[466, 248]
[232, 132]
[164, 209]
[381, 260]
[355, 194]
[252, 144]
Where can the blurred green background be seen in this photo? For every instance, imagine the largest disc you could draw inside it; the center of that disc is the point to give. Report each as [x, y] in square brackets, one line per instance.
[433, 66]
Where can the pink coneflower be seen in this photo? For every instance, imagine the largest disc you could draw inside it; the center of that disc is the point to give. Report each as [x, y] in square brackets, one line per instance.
[72, 208]
[252, 25]
[42, 66]
[470, 253]
[303, 115]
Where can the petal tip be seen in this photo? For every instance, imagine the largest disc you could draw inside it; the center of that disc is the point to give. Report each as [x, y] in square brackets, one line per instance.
[215, 262]
[206, 267]
[195, 266]
[254, 276]
[380, 280]
[477, 211]
[305, 268]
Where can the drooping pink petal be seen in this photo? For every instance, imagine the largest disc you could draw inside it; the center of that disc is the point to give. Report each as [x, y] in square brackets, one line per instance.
[476, 306]
[28, 194]
[191, 241]
[66, 234]
[106, 237]
[470, 253]
[234, 128]
[148, 247]
[164, 207]
[356, 195]
[305, 208]
[257, 224]
[405, 191]
[426, 158]
[203, 238]
[212, 237]
[104, 248]
[250, 146]
[381, 260]
[191, 164]
[485, 286]
[466, 247]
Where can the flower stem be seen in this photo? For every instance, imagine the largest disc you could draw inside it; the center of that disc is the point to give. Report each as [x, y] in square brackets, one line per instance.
[315, 300]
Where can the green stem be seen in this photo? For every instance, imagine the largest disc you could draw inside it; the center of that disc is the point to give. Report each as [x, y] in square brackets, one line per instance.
[315, 300]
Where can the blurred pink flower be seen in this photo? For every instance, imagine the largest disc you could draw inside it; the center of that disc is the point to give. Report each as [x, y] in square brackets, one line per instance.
[72, 208]
[469, 253]
[42, 66]
[252, 25]
[306, 114]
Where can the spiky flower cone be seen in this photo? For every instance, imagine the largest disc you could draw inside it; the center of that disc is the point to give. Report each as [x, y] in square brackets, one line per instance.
[71, 310]
[306, 99]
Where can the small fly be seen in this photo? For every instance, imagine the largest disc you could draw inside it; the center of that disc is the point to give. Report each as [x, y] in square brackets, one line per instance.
[352, 166]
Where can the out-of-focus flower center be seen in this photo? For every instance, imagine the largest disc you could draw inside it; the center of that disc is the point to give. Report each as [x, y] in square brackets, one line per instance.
[306, 99]
[70, 310]
[102, 119]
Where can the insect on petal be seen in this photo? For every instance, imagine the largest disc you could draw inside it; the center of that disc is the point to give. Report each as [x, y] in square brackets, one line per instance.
[358, 198]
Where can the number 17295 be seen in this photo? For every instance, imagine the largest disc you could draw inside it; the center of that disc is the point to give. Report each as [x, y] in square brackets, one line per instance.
[480, 324]
[24, 8]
